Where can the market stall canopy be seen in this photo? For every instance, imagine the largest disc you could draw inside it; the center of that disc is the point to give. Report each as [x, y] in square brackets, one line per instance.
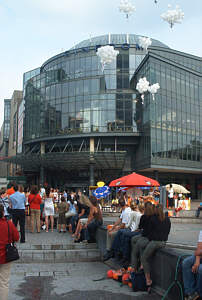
[177, 188]
[134, 179]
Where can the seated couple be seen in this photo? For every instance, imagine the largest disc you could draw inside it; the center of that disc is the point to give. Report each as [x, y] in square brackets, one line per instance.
[119, 235]
[152, 234]
[86, 227]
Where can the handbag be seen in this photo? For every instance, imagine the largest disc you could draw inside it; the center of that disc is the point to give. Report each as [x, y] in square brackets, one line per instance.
[138, 281]
[11, 249]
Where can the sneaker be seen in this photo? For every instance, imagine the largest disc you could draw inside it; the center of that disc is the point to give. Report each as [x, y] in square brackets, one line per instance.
[194, 296]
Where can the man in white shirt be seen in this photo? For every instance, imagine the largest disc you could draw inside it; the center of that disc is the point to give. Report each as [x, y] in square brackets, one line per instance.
[119, 224]
[192, 273]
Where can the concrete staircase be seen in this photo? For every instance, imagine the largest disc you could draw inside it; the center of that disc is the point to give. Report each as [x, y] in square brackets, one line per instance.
[56, 248]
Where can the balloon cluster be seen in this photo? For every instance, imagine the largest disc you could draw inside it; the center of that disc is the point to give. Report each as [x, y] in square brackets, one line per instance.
[173, 16]
[143, 87]
[144, 42]
[107, 54]
[126, 7]
[153, 89]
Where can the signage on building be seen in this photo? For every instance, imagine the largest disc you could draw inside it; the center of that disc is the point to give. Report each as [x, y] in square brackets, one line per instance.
[124, 46]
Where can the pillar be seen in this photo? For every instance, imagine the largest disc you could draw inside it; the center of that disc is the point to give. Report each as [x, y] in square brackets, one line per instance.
[91, 165]
[156, 175]
[42, 151]
[92, 177]
[42, 175]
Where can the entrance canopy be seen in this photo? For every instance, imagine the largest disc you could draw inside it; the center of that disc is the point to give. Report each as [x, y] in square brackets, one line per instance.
[70, 160]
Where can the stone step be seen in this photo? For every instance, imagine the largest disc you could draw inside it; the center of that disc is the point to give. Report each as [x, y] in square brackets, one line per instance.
[188, 213]
[56, 256]
[186, 220]
[69, 246]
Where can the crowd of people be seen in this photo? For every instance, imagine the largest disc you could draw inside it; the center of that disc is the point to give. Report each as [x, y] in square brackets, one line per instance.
[46, 208]
[141, 229]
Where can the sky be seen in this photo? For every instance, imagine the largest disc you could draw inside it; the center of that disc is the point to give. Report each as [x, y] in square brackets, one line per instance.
[31, 31]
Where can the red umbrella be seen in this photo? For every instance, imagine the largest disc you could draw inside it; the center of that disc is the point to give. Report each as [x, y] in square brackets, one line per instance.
[134, 179]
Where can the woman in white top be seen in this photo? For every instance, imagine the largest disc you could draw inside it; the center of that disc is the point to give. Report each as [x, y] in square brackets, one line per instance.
[124, 235]
[49, 208]
[171, 197]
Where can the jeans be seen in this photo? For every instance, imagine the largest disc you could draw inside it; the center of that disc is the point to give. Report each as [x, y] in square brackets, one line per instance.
[18, 215]
[122, 242]
[192, 282]
[116, 242]
[126, 242]
[73, 222]
[198, 211]
[90, 231]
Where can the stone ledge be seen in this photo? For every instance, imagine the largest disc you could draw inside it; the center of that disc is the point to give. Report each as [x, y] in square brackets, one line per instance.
[163, 264]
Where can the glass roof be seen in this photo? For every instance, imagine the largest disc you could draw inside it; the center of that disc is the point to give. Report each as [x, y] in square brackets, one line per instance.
[115, 39]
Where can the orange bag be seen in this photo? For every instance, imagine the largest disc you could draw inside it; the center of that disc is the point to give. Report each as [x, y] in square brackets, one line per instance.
[109, 227]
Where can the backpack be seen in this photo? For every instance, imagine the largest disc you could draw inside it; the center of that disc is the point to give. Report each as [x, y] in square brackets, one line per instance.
[138, 281]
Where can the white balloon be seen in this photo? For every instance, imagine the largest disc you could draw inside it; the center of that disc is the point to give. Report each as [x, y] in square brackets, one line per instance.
[173, 16]
[107, 54]
[153, 89]
[126, 7]
[143, 87]
[145, 42]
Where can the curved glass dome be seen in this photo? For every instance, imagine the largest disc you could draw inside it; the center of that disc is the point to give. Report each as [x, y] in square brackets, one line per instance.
[115, 39]
[75, 96]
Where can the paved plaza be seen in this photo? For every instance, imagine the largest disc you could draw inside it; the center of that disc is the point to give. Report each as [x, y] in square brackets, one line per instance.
[75, 280]
[67, 281]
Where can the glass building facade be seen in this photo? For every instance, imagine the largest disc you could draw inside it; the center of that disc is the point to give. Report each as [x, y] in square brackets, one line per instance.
[171, 123]
[6, 124]
[70, 101]
[71, 94]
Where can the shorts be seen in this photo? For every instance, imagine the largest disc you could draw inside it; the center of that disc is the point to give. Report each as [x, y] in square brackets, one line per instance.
[84, 221]
[61, 218]
[49, 210]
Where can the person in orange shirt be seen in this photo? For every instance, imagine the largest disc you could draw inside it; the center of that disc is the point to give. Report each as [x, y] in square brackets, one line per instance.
[10, 189]
[34, 200]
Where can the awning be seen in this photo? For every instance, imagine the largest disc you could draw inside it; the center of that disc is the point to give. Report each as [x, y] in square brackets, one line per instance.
[70, 160]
